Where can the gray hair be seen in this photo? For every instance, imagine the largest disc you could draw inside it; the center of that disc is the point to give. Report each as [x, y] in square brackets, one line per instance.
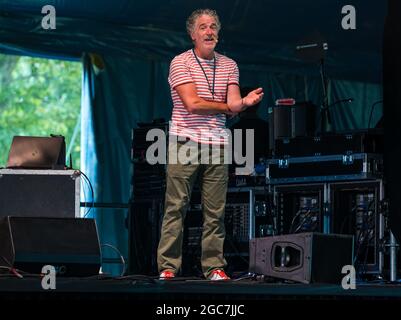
[199, 12]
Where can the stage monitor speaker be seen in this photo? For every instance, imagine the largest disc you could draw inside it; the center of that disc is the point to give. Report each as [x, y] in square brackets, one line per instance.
[71, 245]
[303, 257]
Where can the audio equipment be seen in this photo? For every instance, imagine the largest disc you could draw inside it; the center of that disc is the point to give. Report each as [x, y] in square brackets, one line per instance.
[71, 245]
[302, 257]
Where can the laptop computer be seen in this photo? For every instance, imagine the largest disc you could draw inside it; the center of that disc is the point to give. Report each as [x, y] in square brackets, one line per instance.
[27, 152]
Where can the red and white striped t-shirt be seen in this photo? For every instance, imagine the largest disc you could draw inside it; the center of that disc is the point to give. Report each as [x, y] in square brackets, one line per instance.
[184, 68]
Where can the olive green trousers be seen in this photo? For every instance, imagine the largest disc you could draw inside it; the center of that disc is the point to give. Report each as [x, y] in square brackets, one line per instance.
[180, 179]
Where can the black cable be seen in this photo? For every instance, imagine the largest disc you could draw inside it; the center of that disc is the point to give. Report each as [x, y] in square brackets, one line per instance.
[371, 111]
[92, 202]
[135, 278]
[370, 226]
[293, 220]
[92, 192]
[364, 252]
[121, 257]
[271, 210]
[85, 184]
[301, 223]
[358, 245]
[364, 240]
[365, 260]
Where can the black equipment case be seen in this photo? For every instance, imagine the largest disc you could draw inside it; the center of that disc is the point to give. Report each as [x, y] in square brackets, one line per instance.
[330, 144]
[324, 168]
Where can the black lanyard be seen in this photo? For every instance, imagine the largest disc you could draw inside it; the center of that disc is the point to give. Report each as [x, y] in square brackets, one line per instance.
[214, 73]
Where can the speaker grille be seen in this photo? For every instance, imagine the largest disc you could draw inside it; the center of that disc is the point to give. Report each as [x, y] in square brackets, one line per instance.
[69, 244]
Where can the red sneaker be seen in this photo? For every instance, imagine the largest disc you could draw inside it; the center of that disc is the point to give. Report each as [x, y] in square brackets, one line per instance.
[218, 274]
[166, 275]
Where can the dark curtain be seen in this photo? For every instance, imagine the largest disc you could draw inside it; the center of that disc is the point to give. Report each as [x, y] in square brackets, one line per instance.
[392, 112]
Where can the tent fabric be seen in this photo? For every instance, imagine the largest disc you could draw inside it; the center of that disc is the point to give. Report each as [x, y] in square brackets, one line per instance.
[254, 32]
[135, 41]
[365, 112]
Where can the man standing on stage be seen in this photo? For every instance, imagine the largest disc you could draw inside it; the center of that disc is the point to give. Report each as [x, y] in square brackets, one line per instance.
[204, 87]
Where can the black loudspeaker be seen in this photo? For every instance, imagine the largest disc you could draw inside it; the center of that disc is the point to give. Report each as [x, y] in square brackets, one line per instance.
[303, 120]
[40, 193]
[291, 121]
[279, 124]
[303, 257]
[71, 245]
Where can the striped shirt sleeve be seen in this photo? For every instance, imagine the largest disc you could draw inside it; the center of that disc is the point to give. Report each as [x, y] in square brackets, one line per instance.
[233, 77]
[179, 73]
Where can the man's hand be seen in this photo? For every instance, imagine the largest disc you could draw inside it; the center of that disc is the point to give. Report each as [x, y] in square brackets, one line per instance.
[236, 104]
[253, 97]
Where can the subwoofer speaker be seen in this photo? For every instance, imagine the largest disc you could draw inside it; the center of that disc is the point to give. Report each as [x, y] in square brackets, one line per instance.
[303, 257]
[71, 245]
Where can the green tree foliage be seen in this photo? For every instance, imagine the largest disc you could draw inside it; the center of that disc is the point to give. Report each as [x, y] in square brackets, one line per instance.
[39, 97]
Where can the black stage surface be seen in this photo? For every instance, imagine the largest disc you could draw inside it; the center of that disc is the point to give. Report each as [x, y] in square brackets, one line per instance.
[149, 298]
[141, 288]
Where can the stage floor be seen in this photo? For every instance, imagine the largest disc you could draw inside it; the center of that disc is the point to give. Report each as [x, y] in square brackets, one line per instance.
[183, 298]
[150, 288]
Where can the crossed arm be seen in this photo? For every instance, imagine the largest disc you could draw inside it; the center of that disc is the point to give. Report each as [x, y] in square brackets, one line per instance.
[235, 104]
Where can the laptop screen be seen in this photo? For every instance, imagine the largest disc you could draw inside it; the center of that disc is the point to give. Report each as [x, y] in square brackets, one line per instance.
[37, 152]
